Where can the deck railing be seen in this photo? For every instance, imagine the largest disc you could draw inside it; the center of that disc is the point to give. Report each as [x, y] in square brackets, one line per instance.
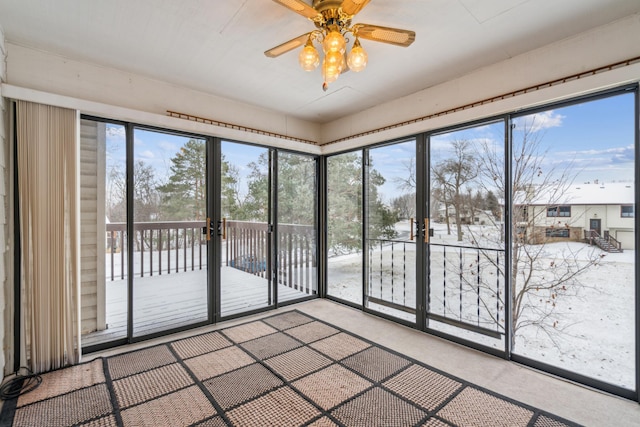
[391, 274]
[467, 287]
[466, 284]
[247, 250]
[297, 261]
[177, 246]
[160, 248]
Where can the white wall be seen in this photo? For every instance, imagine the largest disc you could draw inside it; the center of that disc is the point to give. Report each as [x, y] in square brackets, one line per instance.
[4, 205]
[55, 74]
[90, 84]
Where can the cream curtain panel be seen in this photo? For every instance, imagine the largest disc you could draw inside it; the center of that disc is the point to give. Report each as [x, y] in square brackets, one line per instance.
[49, 229]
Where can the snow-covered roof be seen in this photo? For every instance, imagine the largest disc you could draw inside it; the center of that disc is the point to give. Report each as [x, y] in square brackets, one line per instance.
[590, 193]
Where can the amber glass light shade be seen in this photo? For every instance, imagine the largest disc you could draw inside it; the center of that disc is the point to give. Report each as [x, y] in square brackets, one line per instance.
[357, 58]
[334, 42]
[309, 58]
[330, 72]
[334, 58]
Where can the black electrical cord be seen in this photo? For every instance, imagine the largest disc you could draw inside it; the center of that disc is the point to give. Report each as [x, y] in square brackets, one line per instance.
[20, 384]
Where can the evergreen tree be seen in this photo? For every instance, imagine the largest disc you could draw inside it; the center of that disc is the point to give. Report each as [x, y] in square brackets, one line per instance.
[256, 204]
[381, 219]
[231, 205]
[184, 195]
[344, 203]
[344, 194]
[296, 189]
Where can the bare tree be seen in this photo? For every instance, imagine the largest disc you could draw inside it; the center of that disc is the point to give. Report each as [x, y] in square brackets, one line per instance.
[408, 181]
[404, 206]
[540, 278]
[145, 194]
[450, 176]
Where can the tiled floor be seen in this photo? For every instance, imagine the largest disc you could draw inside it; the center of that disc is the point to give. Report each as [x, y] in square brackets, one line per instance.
[557, 396]
[265, 372]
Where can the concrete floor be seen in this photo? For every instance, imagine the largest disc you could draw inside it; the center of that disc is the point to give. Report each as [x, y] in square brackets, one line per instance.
[563, 398]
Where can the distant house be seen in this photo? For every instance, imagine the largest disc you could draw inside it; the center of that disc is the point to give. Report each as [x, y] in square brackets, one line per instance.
[467, 217]
[595, 212]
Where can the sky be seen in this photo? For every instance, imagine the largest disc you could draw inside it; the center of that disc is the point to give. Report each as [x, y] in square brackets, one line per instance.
[595, 137]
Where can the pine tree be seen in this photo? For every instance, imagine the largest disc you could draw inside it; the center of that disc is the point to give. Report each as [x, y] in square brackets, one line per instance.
[184, 195]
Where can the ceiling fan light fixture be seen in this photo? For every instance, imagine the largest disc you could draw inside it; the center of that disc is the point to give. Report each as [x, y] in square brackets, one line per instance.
[357, 58]
[309, 57]
[332, 19]
[334, 42]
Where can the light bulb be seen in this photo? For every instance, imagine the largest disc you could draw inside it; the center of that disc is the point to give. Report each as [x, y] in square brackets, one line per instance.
[334, 58]
[330, 72]
[309, 57]
[334, 42]
[357, 58]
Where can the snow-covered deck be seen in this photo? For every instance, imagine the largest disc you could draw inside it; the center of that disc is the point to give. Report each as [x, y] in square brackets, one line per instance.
[179, 299]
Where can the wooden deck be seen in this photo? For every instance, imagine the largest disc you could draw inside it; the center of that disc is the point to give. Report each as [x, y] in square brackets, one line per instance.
[180, 299]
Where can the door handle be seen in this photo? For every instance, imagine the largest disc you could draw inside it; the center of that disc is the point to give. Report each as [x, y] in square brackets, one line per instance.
[425, 230]
[411, 235]
[206, 230]
[222, 228]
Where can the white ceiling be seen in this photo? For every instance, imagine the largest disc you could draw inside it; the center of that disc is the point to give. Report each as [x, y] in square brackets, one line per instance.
[216, 46]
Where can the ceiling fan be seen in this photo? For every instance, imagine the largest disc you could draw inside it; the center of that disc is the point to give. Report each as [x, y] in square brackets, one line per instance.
[332, 19]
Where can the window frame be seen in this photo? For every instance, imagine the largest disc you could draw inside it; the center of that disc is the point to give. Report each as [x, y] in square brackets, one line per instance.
[563, 233]
[559, 210]
[624, 214]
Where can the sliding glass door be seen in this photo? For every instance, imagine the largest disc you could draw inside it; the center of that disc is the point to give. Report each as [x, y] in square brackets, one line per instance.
[390, 244]
[144, 258]
[466, 238]
[245, 228]
[344, 227]
[170, 272]
[297, 207]
[516, 235]
[161, 208]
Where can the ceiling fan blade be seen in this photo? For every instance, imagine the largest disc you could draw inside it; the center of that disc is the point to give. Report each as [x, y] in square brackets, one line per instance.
[287, 46]
[299, 7]
[351, 7]
[395, 36]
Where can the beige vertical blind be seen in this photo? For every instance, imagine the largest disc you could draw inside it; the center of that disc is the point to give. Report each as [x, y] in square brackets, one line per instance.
[49, 235]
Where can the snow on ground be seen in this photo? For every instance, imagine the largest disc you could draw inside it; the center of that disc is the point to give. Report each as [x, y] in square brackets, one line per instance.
[595, 333]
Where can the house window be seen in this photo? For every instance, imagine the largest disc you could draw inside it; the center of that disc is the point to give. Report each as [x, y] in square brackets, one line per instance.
[557, 232]
[627, 211]
[564, 211]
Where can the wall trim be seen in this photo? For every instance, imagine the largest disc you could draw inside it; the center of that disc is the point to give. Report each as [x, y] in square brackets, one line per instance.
[113, 112]
[190, 117]
[590, 81]
[491, 100]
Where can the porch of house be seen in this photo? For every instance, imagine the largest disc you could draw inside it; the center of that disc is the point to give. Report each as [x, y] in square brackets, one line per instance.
[170, 301]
